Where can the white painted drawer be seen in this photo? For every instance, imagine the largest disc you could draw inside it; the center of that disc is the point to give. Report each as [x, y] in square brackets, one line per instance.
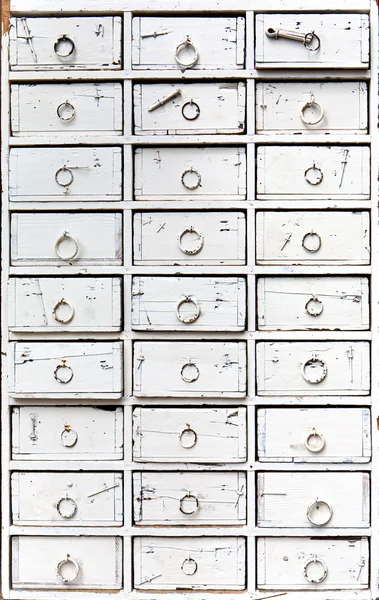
[314, 500]
[206, 238]
[65, 43]
[335, 31]
[189, 563]
[313, 172]
[65, 174]
[216, 43]
[189, 498]
[310, 368]
[67, 499]
[344, 104]
[98, 562]
[189, 303]
[47, 304]
[66, 108]
[190, 369]
[189, 435]
[66, 370]
[306, 303]
[310, 435]
[216, 108]
[175, 173]
[79, 238]
[281, 563]
[313, 237]
[67, 433]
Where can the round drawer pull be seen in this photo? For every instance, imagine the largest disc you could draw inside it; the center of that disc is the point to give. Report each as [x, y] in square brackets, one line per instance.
[62, 302]
[189, 566]
[314, 307]
[62, 41]
[312, 104]
[312, 578]
[317, 437]
[188, 438]
[191, 116]
[190, 365]
[67, 236]
[66, 112]
[68, 561]
[182, 46]
[67, 507]
[306, 242]
[188, 300]
[317, 364]
[314, 175]
[312, 513]
[187, 185]
[63, 373]
[199, 245]
[189, 504]
[69, 437]
[64, 177]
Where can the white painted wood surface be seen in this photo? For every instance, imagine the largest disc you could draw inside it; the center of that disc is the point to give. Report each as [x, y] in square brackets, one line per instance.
[222, 108]
[40, 304]
[65, 174]
[97, 43]
[345, 237]
[279, 105]
[307, 303]
[219, 42]
[219, 173]
[214, 369]
[158, 303]
[335, 31]
[95, 368]
[280, 365]
[49, 499]
[35, 560]
[67, 433]
[97, 108]
[156, 238]
[313, 172]
[281, 563]
[189, 498]
[206, 435]
[283, 435]
[34, 237]
[158, 563]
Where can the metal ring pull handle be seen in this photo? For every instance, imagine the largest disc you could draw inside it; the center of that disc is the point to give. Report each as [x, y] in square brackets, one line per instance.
[314, 307]
[197, 248]
[64, 39]
[186, 44]
[313, 362]
[312, 103]
[67, 507]
[64, 562]
[194, 377]
[316, 172]
[312, 511]
[188, 300]
[61, 173]
[67, 236]
[69, 437]
[188, 438]
[320, 578]
[57, 305]
[189, 566]
[66, 107]
[195, 185]
[193, 500]
[195, 115]
[307, 238]
[63, 373]
[315, 435]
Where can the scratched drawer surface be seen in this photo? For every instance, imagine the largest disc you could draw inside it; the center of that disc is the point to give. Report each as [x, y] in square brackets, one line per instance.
[181, 108]
[189, 563]
[65, 370]
[190, 238]
[189, 435]
[313, 237]
[310, 435]
[312, 108]
[65, 43]
[190, 369]
[188, 303]
[316, 41]
[67, 433]
[188, 43]
[67, 499]
[190, 173]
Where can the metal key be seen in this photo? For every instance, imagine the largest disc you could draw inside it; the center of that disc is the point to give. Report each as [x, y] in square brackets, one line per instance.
[305, 38]
[163, 101]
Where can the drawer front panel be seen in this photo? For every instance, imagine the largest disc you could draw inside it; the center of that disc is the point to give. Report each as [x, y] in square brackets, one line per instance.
[189, 498]
[66, 108]
[67, 499]
[313, 500]
[215, 108]
[98, 562]
[282, 561]
[310, 368]
[46, 239]
[305, 303]
[190, 369]
[190, 238]
[310, 435]
[67, 433]
[188, 303]
[313, 237]
[192, 563]
[188, 173]
[66, 370]
[189, 435]
[217, 43]
[65, 43]
[280, 107]
[65, 174]
[64, 304]
[313, 172]
[335, 31]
